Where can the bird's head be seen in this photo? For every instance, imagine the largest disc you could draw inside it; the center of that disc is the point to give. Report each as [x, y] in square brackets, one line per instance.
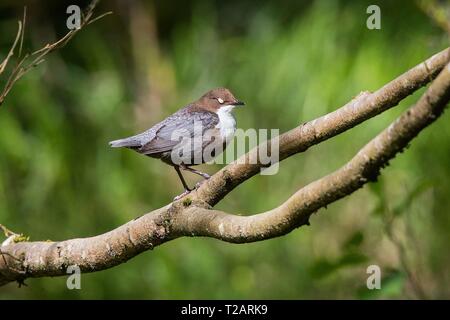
[218, 99]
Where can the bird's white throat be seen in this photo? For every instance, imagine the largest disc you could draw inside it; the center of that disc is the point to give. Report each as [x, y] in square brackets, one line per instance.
[227, 122]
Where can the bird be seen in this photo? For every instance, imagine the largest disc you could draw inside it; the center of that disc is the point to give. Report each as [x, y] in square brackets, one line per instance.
[193, 135]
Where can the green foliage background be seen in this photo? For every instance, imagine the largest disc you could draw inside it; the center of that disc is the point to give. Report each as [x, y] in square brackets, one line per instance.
[290, 61]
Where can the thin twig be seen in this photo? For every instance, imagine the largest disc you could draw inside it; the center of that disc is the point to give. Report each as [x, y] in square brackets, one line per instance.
[32, 60]
[24, 19]
[99, 17]
[11, 51]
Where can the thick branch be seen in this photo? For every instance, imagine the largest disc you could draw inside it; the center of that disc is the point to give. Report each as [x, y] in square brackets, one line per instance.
[37, 259]
[194, 217]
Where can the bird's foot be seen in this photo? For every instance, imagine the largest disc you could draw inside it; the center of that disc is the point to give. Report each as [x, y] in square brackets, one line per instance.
[185, 193]
[206, 176]
[198, 184]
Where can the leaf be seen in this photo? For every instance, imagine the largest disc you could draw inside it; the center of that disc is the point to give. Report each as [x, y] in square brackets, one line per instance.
[352, 258]
[354, 241]
[378, 190]
[324, 267]
[408, 200]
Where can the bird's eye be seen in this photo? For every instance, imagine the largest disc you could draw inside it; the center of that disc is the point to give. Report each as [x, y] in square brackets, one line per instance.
[220, 100]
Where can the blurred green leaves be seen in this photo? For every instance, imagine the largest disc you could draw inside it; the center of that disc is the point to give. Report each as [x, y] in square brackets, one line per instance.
[322, 268]
[351, 256]
[59, 179]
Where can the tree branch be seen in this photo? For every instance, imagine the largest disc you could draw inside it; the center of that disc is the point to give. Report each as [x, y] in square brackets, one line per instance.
[30, 60]
[195, 217]
[363, 107]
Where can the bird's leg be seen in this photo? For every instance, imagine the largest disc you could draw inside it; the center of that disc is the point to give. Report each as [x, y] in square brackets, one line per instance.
[202, 174]
[186, 187]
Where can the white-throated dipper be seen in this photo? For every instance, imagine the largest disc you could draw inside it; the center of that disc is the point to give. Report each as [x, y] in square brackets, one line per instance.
[193, 135]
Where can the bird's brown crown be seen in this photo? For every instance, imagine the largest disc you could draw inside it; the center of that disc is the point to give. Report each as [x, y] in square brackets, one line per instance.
[214, 99]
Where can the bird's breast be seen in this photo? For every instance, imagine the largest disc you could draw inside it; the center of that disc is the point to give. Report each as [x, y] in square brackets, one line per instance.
[226, 125]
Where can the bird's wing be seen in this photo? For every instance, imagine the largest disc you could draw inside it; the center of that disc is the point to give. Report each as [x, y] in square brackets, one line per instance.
[179, 125]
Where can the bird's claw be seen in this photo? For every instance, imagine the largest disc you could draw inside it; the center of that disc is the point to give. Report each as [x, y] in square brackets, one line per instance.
[185, 193]
[206, 176]
[197, 185]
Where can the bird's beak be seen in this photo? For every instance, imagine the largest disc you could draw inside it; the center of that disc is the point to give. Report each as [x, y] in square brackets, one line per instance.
[239, 103]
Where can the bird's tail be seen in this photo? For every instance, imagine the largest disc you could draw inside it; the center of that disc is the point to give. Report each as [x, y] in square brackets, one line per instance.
[127, 142]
